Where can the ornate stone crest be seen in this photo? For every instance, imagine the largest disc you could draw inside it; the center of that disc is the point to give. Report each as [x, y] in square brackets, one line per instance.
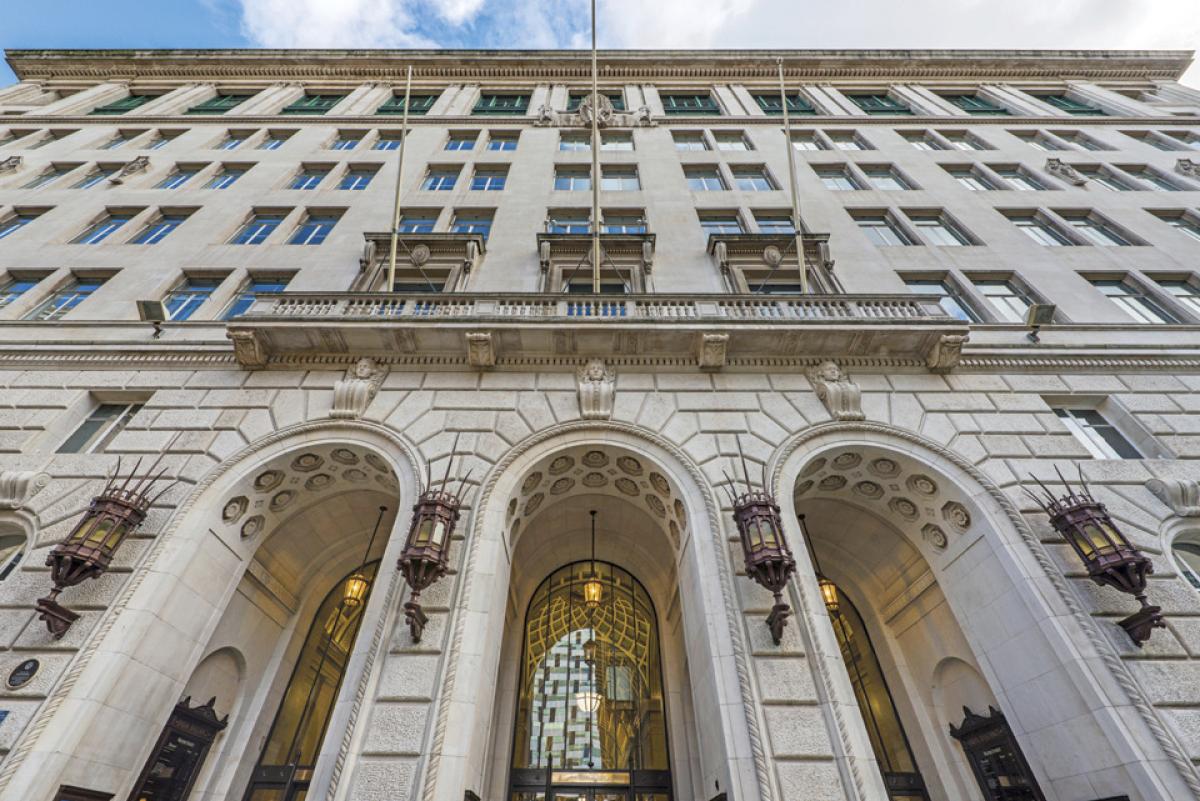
[1188, 167]
[1060, 169]
[354, 393]
[841, 396]
[139, 164]
[597, 387]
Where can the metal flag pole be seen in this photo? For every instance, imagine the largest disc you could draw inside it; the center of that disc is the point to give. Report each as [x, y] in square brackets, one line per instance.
[391, 275]
[595, 162]
[797, 223]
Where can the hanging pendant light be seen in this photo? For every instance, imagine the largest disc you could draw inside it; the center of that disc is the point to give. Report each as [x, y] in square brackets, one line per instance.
[593, 590]
[587, 701]
[829, 594]
[355, 590]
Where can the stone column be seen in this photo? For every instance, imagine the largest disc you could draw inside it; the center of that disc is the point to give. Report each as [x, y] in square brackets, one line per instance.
[1111, 102]
[363, 100]
[1175, 92]
[268, 101]
[1030, 105]
[23, 92]
[653, 101]
[1015, 103]
[923, 101]
[834, 102]
[747, 100]
[83, 102]
[176, 101]
[729, 100]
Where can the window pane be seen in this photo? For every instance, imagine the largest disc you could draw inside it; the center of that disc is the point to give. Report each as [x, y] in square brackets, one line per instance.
[1009, 303]
[946, 298]
[881, 231]
[100, 427]
[185, 299]
[940, 231]
[63, 300]
[313, 231]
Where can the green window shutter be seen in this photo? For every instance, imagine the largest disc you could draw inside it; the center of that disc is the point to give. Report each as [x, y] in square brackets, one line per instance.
[128, 103]
[973, 104]
[769, 103]
[502, 104]
[313, 104]
[690, 104]
[418, 105]
[880, 104]
[218, 105]
[1064, 103]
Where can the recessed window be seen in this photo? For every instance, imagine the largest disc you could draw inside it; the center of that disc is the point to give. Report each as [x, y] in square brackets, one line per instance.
[880, 104]
[440, 179]
[256, 230]
[1040, 141]
[1154, 179]
[15, 222]
[960, 140]
[502, 141]
[510, 104]
[218, 104]
[689, 103]
[64, 299]
[1008, 300]
[178, 177]
[418, 104]
[1081, 140]
[274, 140]
[225, 177]
[119, 139]
[847, 140]
[731, 140]
[95, 177]
[882, 230]
[14, 287]
[616, 141]
[1181, 222]
[1016, 178]
[232, 140]
[472, 222]
[1100, 437]
[623, 222]
[49, 175]
[807, 140]
[157, 229]
[774, 222]
[308, 178]
[183, 301]
[619, 178]
[885, 178]
[357, 178]
[689, 140]
[770, 103]
[572, 179]
[489, 179]
[569, 221]
[936, 228]
[1102, 178]
[704, 179]
[387, 141]
[100, 428]
[947, 297]
[721, 222]
[975, 105]
[1095, 229]
[462, 140]
[1186, 293]
[122, 106]
[312, 104]
[1070, 105]
[1134, 301]
[922, 140]
[313, 229]
[103, 228]
[1040, 230]
[254, 287]
[347, 140]
[160, 139]
[970, 178]
[837, 177]
[754, 178]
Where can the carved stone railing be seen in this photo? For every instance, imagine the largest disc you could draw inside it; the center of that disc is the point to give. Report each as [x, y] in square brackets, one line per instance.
[899, 328]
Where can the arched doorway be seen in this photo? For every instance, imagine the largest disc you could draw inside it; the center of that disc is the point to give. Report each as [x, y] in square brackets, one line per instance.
[590, 723]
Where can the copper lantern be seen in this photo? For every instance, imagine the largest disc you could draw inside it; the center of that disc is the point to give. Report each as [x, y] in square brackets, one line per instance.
[89, 549]
[768, 559]
[1111, 560]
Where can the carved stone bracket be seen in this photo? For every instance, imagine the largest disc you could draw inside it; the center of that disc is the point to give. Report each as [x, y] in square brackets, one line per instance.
[139, 164]
[946, 353]
[248, 348]
[1060, 169]
[841, 396]
[9, 164]
[354, 393]
[597, 389]
[711, 350]
[608, 116]
[481, 350]
[18, 486]
[1189, 168]
[1182, 497]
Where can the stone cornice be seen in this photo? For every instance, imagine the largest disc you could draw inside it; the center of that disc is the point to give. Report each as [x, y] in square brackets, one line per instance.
[560, 65]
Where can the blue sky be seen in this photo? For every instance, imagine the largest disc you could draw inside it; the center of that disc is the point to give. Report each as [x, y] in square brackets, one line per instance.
[622, 23]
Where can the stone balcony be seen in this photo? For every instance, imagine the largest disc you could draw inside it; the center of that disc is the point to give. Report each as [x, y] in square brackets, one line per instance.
[711, 331]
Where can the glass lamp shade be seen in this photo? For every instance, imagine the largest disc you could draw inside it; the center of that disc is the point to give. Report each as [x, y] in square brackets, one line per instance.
[593, 592]
[588, 701]
[829, 594]
[589, 652]
[355, 590]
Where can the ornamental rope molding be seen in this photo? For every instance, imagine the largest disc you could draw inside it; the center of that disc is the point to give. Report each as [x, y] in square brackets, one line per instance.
[732, 612]
[1112, 661]
[59, 691]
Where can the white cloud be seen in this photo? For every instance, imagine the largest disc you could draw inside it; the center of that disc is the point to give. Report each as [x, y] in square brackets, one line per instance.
[456, 12]
[330, 23]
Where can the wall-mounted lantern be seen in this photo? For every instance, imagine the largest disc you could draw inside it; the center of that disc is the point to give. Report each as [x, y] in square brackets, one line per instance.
[88, 550]
[1111, 560]
[426, 556]
[768, 559]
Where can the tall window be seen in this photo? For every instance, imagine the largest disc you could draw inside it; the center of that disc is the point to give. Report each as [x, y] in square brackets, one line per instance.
[418, 222]
[156, 230]
[619, 178]
[1100, 437]
[882, 230]
[97, 176]
[294, 742]
[462, 141]
[880, 105]
[274, 140]
[472, 222]
[357, 178]
[1134, 301]
[721, 222]
[177, 177]
[308, 178]
[885, 178]
[14, 287]
[753, 178]
[251, 290]
[225, 177]
[1040, 230]
[502, 141]
[947, 297]
[489, 179]
[770, 103]
[938, 229]
[419, 104]
[15, 222]
[1018, 179]
[1186, 549]
[100, 427]
[218, 104]
[689, 140]
[704, 178]
[49, 175]
[64, 299]
[627, 222]
[122, 106]
[232, 140]
[1009, 301]
[689, 103]
[501, 103]
[346, 140]
[1187, 293]
[440, 179]
[572, 179]
[183, 301]
[256, 230]
[312, 104]
[313, 229]
[1096, 230]
[102, 229]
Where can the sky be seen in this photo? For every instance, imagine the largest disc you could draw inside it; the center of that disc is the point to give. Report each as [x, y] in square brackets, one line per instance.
[696, 24]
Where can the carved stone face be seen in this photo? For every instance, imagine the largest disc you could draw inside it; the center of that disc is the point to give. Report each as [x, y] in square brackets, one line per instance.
[364, 368]
[829, 371]
[595, 370]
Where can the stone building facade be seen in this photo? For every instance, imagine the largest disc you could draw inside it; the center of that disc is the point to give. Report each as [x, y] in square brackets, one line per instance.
[955, 646]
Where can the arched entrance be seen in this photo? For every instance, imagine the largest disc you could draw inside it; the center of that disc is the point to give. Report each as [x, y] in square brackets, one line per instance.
[590, 720]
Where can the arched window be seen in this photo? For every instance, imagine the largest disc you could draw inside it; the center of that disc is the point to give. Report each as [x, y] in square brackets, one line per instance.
[590, 720]
[1186, 549]
[285, 767]
[12, 548]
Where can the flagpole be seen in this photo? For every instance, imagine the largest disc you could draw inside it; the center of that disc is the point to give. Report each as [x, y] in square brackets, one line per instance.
[595, 162]
[391, 274]
[797, 224]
